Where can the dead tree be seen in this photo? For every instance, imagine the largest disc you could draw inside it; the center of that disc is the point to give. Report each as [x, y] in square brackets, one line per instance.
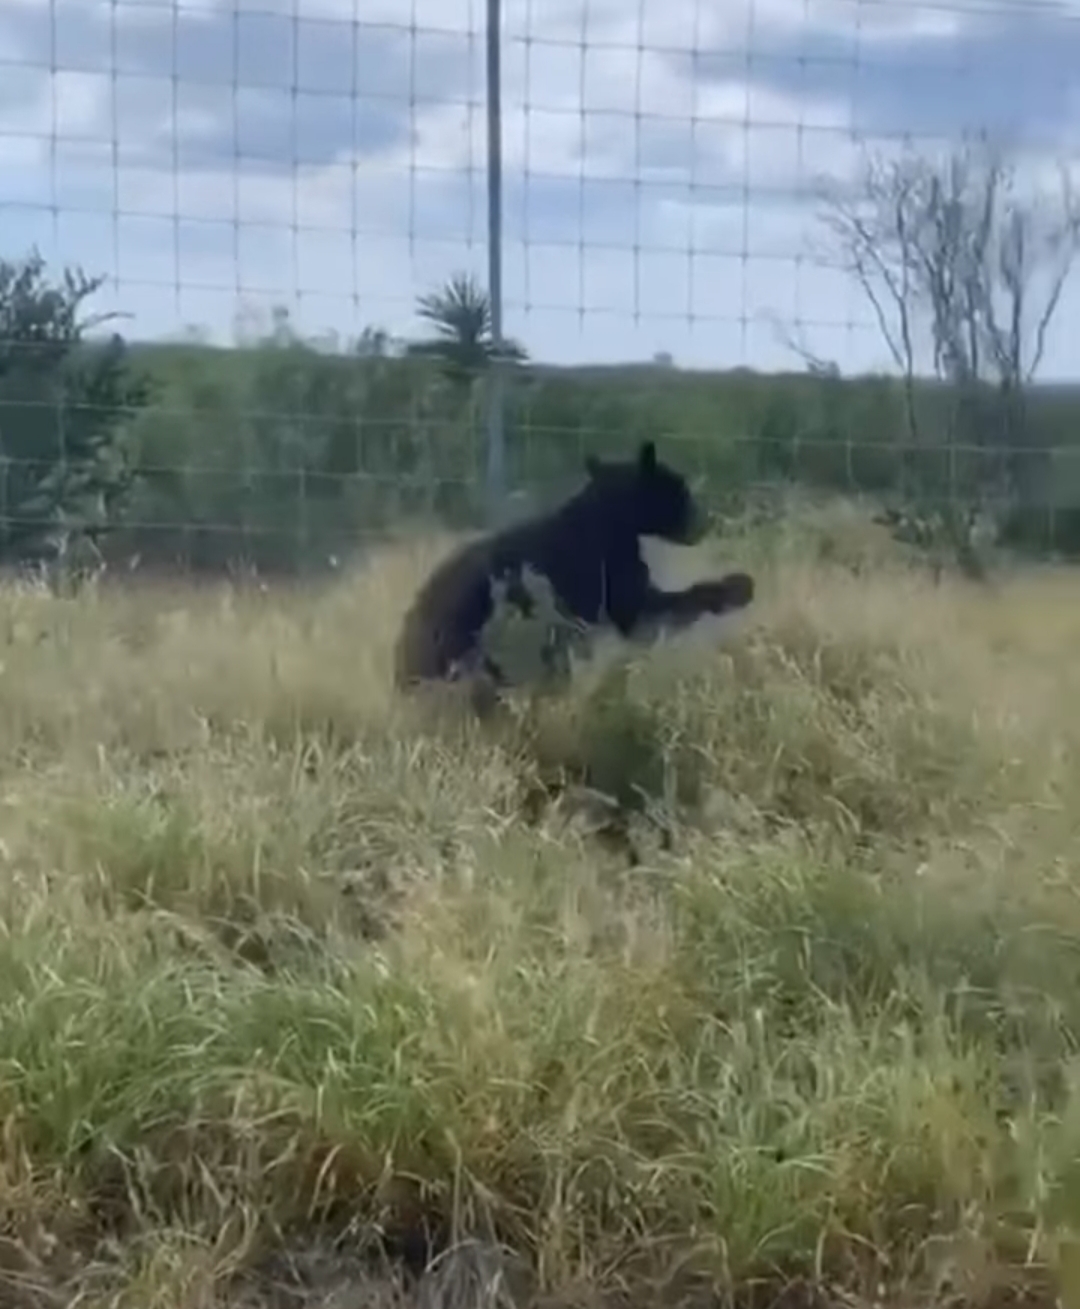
[955, 253]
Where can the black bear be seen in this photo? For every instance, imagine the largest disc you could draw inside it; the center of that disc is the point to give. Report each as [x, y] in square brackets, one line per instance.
[589, 549]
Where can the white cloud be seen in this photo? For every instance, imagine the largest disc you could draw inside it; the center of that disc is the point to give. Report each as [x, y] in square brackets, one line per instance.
[67, 103]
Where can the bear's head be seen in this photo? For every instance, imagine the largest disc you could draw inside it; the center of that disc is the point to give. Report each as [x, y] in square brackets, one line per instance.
[648, 496]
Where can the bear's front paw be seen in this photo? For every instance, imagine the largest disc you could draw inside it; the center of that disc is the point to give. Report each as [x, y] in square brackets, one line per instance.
[735, 591]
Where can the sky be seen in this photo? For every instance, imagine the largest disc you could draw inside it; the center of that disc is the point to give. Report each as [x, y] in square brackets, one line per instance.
[662, 158]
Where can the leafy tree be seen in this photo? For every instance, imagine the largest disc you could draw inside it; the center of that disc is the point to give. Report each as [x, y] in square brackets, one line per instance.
[63, 466]
[461, 316]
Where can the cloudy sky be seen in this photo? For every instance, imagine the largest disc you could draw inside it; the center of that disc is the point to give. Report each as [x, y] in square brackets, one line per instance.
[660, 156]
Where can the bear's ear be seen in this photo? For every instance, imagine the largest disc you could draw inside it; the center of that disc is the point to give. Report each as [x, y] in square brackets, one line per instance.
[647, 456]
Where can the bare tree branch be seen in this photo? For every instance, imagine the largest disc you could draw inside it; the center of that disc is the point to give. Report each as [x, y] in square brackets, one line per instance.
[955, 247]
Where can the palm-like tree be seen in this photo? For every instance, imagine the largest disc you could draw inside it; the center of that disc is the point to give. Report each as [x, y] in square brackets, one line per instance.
[461, 316]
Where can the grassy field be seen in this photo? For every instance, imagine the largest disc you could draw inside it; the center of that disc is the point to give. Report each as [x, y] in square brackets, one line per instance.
[285, 963]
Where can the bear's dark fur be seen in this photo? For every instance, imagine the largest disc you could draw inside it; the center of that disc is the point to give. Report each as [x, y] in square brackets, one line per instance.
[589, 549]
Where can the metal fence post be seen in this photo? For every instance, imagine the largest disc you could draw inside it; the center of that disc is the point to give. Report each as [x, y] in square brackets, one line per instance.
[495, 390]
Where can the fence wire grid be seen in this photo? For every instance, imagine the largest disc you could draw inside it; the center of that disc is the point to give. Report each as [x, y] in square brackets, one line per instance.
[276, 277]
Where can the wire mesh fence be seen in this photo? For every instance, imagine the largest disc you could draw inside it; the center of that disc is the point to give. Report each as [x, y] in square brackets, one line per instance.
[827, 244]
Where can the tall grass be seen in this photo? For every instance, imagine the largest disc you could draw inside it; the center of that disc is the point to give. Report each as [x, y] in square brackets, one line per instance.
[286, 962]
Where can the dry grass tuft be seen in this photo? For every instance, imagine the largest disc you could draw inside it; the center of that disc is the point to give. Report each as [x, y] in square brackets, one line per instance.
[286, 963]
